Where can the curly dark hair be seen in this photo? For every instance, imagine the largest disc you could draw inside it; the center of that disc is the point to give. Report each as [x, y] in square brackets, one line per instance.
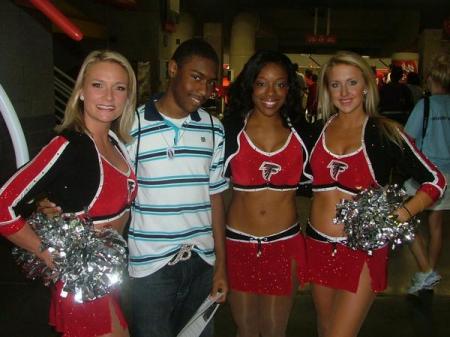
[241, 90]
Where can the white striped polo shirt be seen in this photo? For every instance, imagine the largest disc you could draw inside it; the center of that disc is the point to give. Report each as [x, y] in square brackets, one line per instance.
[178, 169]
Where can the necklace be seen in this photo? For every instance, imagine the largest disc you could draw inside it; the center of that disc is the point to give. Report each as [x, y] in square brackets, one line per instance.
[177, 126]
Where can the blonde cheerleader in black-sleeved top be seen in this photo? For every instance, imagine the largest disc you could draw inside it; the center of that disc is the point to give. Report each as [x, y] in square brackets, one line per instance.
[85, 167]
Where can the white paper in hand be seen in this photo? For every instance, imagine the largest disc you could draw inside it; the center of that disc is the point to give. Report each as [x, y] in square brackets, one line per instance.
[202, 316]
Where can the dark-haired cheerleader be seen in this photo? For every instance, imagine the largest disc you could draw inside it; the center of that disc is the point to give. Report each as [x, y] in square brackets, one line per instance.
[265, 160]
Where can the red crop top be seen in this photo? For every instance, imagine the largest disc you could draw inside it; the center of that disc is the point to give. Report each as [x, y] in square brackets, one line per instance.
[115, 195]
[253, 169]
[349, 173]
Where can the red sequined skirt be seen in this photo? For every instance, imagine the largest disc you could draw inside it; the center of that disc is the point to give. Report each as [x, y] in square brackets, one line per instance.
[263, 265]
[88, 319]
[337, 266]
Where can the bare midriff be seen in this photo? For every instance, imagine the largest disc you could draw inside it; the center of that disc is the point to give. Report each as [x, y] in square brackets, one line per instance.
[117, 224]
[262, 213]
[323, 211]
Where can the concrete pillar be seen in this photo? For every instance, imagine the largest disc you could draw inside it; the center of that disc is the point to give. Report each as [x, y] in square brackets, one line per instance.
[184, 31]
[242, 41]
[213, 34]
[169, 43]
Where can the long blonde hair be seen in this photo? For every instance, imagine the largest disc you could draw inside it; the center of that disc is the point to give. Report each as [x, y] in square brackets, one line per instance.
[371, 99]
[73, 115]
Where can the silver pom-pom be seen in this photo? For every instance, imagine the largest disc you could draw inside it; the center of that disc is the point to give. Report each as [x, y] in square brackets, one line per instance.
[89, 262]
[369, 220]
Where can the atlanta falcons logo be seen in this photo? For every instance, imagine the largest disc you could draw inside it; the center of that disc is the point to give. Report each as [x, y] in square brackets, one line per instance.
[336, 167]
[268, 169]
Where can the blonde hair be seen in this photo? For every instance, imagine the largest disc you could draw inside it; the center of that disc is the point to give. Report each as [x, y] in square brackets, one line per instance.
[371, 98]
[440, 71]
[73, 115]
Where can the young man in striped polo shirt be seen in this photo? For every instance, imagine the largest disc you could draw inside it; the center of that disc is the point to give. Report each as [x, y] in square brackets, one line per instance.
[176, 237]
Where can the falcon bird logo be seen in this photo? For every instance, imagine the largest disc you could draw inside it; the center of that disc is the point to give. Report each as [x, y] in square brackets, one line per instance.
[268, 169]
[336, 167]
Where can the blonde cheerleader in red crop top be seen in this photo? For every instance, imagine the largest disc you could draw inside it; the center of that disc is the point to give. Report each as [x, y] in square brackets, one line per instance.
[265, 159]
[85, 167]
[357, 149]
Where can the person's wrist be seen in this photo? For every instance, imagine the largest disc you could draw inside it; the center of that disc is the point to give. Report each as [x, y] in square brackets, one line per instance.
[403, 214]
[407, 211]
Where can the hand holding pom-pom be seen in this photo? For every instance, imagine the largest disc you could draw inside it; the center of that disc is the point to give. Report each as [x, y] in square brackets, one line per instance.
[370, 221]
[89, 262]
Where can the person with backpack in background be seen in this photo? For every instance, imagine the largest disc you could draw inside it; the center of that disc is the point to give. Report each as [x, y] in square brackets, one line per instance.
[429, 125]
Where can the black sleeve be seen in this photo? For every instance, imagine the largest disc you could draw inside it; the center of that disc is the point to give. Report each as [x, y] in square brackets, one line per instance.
[309, 132]
[36, 178]
[233, 125]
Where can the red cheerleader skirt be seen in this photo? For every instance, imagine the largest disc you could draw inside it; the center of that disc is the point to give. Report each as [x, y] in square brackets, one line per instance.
[89, 319]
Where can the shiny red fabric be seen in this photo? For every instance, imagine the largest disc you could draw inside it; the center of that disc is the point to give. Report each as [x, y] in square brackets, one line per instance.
[253, 168]
[88, 319]
[351, 172]
[270, 273]
[342, 271]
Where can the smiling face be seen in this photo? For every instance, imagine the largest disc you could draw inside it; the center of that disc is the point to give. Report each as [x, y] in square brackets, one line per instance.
[270, 89]
[105, 93]
[191, 84]
[346, 86]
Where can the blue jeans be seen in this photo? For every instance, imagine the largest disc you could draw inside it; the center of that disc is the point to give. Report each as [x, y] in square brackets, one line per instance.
[163, 302]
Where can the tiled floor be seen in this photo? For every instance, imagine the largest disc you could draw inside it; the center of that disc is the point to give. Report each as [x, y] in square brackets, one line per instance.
[24, 304]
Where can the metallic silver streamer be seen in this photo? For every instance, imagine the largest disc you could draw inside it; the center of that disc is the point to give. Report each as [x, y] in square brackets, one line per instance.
[369, 222]
[88, 261]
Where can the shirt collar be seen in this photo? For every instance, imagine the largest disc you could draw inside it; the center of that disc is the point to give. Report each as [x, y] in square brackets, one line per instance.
[152, 114]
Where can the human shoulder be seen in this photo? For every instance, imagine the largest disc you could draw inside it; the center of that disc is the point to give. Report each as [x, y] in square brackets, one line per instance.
[440, 99]
[382, 132]
[210, 121]
[115, 139]
[79, 143]
[75, 137]
[206, 116]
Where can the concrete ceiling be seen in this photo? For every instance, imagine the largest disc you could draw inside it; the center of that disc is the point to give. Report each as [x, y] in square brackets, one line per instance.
[371, 27]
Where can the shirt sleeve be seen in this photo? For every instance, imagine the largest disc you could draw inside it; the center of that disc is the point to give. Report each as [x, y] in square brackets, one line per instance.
[30, 180]
[416, 165]
[217, 182]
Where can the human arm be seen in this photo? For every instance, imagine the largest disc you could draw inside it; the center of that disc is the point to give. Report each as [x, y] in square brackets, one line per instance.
[419, 202]
[27, 239]
[432, 182]
[28, 182]
[218, 184]
[416, 165]
[220, 283]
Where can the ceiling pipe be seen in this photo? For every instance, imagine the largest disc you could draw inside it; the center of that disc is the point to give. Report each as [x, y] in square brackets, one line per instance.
[316, 13]
[328, 20]
[58, 18]
[312, 59]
